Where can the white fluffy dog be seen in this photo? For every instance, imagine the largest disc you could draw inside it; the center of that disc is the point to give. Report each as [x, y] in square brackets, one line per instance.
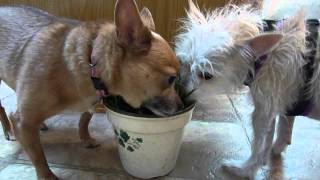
[281, 66]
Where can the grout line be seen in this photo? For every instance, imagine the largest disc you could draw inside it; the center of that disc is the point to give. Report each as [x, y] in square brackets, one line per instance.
[5, 166]
[111, 171]
[74, 167]
[7, 96]
[7, 162]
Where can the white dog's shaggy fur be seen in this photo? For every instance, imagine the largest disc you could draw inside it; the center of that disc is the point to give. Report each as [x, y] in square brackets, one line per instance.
[227, 42]
[205, 34]
[275, 9]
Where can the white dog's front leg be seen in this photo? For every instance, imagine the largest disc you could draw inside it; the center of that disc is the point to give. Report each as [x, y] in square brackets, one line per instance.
[284, 134]
[263, 126]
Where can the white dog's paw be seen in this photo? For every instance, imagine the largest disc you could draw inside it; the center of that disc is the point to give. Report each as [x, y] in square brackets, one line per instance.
[242, 173]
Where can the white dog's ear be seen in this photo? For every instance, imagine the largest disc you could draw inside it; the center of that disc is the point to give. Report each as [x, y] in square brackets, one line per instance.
[195, 14]
[147, 19]
[132, 34]
[297, 22]
[263, 44]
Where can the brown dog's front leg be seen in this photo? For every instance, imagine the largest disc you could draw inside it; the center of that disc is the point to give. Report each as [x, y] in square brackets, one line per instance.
[84, 134]
[27, 133]
[5, 124]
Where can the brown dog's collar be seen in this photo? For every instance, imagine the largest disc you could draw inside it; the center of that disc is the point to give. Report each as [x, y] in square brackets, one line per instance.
[101, 89]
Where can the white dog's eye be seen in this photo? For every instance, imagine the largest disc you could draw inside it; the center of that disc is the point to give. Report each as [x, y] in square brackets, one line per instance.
[205, 75]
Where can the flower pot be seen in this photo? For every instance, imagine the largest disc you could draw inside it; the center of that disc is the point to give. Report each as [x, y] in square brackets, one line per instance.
[149, 146]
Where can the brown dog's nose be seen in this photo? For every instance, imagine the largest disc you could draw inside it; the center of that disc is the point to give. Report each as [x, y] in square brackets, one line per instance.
[179, 103]
[165, 105]
[180, 106]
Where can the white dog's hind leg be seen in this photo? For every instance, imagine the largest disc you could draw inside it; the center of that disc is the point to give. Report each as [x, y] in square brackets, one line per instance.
[284, 134]
[263, 126]
[269, 140]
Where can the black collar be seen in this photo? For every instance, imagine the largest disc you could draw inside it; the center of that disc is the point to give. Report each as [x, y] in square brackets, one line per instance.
[305, 102]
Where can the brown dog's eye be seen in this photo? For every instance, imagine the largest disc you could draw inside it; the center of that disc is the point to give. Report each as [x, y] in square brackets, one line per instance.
[171, 79]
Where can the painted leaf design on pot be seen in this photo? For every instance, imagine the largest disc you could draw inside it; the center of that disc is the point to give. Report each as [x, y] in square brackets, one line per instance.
[140, 140]
[124, 135]
[129, 148]
[129, 143]
[116, 132]
[121, 142]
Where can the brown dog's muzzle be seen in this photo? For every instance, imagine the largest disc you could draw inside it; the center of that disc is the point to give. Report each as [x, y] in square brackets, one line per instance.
[166, 104]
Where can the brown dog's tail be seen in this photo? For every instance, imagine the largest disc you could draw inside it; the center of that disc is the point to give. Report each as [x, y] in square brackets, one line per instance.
[6, 125]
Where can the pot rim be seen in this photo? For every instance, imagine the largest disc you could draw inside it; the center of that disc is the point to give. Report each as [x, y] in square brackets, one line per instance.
[147, 116]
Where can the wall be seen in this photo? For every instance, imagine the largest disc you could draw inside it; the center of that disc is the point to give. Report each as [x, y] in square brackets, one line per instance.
[165, 12]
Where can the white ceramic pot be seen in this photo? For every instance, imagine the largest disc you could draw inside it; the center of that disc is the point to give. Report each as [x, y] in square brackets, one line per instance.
[149, 147]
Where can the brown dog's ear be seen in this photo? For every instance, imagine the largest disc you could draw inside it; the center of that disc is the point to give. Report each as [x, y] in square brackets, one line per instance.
[132, 34]
[147, 18]
[263, 44]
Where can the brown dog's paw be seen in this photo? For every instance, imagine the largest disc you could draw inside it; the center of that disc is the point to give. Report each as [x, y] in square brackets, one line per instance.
[90, 143]
[10, 137]
[50, 176]
[44, 127]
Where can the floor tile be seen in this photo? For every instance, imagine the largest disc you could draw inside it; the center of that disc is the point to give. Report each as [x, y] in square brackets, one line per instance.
[205, 146]
[219, 132]
[63, 146]
[301, 160]
[22, 171]
[8, 149]
[25, 171]
[213, 107]
[3, 164]
[9, 103]
[5, 91]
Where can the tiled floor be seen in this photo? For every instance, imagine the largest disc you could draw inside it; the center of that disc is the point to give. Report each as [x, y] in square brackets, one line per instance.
[220, 131]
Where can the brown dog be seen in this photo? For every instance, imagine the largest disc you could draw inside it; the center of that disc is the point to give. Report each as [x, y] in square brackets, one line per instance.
[45, 59]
